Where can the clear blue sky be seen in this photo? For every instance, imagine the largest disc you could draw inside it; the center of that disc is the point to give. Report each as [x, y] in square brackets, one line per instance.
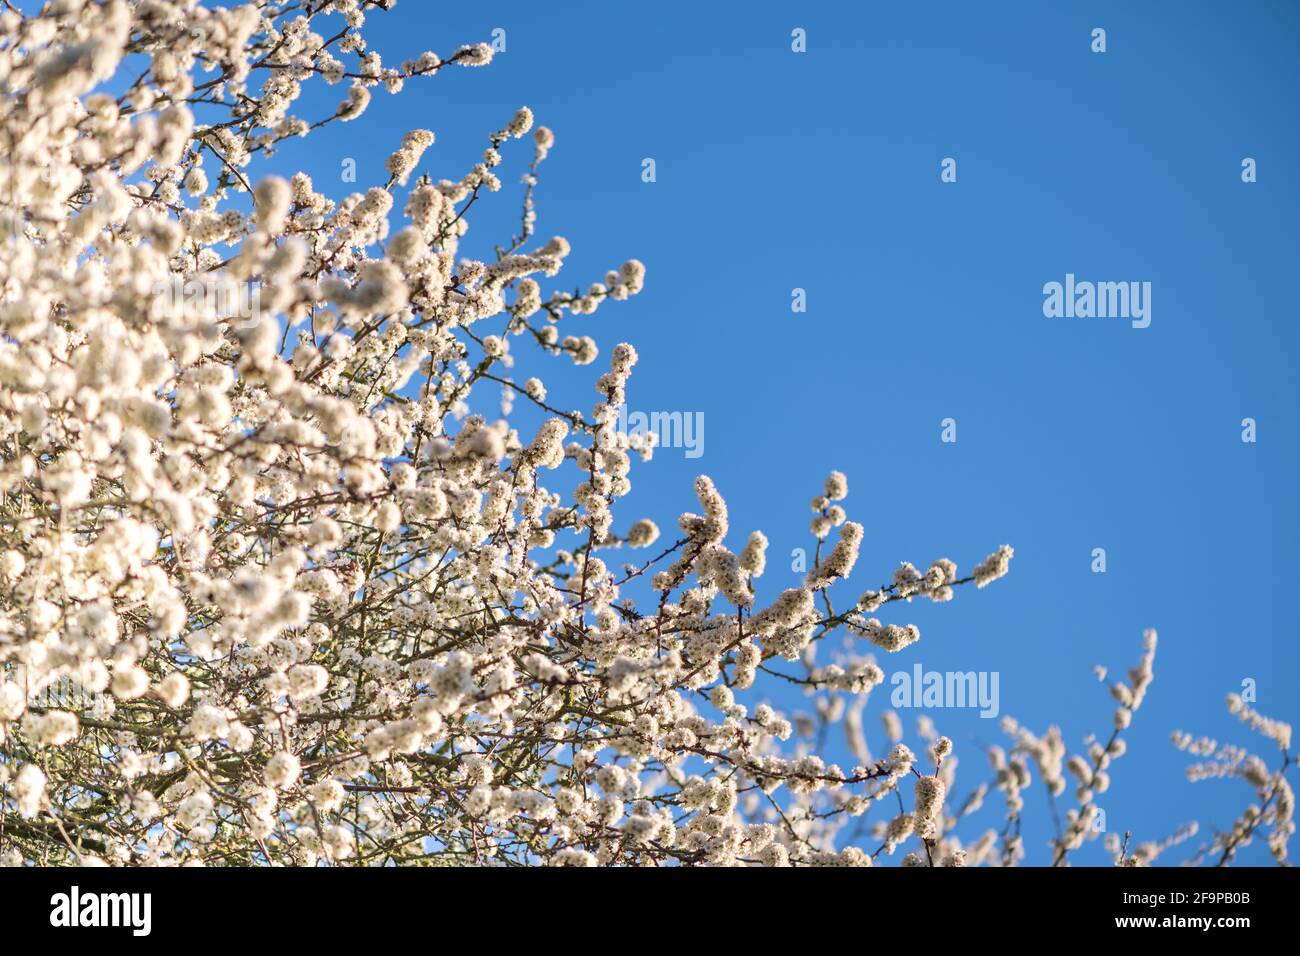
[777, 170]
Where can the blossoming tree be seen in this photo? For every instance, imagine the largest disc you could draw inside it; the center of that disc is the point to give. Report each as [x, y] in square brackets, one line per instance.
[270, 592]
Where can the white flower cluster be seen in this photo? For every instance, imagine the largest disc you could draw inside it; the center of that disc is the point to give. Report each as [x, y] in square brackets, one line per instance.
[249, 514]
[1276, 806]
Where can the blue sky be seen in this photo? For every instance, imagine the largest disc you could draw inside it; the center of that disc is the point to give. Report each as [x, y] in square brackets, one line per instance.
[821, 171]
